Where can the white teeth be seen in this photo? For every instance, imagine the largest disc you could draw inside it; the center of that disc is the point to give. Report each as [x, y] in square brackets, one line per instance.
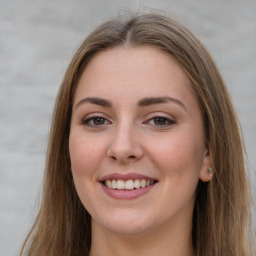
[108, 183]
[137, 183]
[120, 184]
[129, 184]
[114, 185]
[143, 183]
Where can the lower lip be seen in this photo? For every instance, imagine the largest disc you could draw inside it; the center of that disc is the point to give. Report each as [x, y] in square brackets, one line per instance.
[127, 194]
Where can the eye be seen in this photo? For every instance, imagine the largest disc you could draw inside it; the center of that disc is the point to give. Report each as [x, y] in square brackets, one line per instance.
[160, 121]
[95, 121]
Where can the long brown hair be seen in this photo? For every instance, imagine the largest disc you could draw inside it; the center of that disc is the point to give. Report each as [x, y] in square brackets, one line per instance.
[221, 220]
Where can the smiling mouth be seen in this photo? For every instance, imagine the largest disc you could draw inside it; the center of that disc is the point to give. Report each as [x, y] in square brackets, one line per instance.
[128, 184]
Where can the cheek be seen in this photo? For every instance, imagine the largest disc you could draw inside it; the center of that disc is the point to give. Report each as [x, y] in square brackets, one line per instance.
[85, 153]
[178, 159]
[178, 155]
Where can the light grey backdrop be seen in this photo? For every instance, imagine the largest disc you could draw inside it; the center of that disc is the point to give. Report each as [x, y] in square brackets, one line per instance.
[37, 40]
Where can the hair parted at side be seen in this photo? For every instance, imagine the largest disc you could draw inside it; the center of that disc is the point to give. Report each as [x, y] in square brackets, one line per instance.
[222, 216]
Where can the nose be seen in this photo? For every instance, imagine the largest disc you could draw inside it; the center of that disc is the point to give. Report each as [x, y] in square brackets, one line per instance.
[125, 145]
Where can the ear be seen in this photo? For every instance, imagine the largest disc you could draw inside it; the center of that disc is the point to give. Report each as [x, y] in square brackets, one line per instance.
[206, 172]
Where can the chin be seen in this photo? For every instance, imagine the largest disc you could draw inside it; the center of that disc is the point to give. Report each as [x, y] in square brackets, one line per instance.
[128, 224]
[128, 229]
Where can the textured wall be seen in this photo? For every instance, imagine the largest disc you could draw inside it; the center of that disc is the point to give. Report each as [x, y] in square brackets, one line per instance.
[37, 40]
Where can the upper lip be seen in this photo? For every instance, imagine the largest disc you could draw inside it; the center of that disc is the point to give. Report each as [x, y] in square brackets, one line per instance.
[126, 176]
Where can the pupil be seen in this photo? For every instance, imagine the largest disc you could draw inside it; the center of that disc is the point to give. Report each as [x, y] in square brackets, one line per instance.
[159, 120]
[98, 121]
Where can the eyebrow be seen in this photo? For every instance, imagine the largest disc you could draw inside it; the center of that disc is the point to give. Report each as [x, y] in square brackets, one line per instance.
[142, 103]
[158, 100]
[96, 101]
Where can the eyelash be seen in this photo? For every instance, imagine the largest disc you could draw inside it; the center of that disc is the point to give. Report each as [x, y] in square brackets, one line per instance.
[167, 121]
[87, 121]
[90, 121]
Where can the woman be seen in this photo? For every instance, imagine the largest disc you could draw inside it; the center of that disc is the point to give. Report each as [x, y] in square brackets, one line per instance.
[145, 155]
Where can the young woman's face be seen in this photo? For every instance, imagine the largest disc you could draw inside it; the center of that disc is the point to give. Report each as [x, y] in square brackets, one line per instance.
[137, 142]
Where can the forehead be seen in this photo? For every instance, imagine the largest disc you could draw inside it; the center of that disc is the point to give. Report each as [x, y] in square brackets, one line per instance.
[138, 59]
[133, 72]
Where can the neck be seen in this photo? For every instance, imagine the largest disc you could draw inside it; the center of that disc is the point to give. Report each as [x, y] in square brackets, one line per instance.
[162, 241]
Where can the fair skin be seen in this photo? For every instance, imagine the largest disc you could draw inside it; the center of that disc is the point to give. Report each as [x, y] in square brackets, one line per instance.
[135, 117]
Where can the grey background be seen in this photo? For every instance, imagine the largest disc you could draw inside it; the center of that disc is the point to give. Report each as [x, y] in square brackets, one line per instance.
[37, 40]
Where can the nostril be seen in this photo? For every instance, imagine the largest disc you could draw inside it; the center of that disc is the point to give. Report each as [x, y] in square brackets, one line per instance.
[131, 157]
